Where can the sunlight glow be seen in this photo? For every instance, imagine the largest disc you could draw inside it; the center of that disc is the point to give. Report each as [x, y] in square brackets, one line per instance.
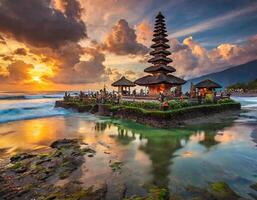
[36, 79]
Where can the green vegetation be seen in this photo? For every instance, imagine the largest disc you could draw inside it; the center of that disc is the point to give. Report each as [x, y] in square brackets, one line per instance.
[153, 113]
[252, 85]
[204, 109]
[79, 100]
[33, 170]
[224, 101]
[173, 104]
[155, 193]
[222, 190]
[15, 166]
[216, 190]
[144, 105]
[116, 165]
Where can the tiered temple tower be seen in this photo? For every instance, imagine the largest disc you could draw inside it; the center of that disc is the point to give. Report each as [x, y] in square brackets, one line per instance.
[161, 79]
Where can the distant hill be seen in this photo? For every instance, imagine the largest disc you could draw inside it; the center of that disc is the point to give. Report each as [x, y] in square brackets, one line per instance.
[241, 73]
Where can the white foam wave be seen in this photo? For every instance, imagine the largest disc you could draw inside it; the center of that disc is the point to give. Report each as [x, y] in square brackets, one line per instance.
[28, 109]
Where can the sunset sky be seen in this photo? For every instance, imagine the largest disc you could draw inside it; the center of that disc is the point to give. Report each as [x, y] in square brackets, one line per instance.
[84, 44]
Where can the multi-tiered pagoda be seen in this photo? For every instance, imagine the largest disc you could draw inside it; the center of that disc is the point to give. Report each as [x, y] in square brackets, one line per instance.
[161, 80]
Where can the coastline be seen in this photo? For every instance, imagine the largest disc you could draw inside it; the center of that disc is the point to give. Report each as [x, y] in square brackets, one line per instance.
[164, 141]
[157, 118]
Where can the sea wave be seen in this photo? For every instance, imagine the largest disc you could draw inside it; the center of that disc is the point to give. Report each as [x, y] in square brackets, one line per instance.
[17, 97]
[28, 109]
[246, 101]
[249, 104]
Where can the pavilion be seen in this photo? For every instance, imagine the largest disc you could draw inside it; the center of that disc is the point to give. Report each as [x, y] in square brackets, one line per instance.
[160, 80]
[123, 85]
[207, 86]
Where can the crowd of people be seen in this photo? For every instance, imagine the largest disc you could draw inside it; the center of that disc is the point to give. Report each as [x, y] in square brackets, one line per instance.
[101, 96]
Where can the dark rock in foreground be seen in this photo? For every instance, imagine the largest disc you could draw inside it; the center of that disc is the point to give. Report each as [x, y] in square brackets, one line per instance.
[64, 143]
[27, 175]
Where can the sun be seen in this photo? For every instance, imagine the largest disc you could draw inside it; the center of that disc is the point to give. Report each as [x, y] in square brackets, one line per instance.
[36, 79]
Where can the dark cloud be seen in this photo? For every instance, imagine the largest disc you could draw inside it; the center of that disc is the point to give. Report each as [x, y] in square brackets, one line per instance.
[20, 51]
[122, 40]
[72, 8]
[37, 23]
[89, 71]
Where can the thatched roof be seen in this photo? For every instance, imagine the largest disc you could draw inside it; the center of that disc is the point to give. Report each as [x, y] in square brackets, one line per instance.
[158, 52]
[161, 78]
[160, 59]
[123, 82]
[166, 68]
[160, 44]
[208, 84]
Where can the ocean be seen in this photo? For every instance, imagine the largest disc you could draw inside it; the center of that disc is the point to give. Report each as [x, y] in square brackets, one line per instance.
[22, 106]
[170, 158]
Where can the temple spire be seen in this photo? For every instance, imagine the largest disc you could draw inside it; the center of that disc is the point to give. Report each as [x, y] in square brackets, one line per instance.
[160, 53]
[161, 79]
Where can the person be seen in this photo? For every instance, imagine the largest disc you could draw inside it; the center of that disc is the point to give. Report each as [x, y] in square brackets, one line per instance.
[141, 92]
[199, 98]
[181, 98]
[165, 105]
[221, 95]
[134, 92]
[65, 98]
[81, 95]
[162, 97]
[229, 94]
[119, 97]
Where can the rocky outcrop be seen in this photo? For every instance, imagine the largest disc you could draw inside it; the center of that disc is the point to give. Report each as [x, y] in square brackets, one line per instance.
[28, 175]
[155, 118]
[80, 107]
[173, 118]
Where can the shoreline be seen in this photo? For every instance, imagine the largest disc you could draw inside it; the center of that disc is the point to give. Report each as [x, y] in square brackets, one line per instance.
[160, 119]
[76, 188]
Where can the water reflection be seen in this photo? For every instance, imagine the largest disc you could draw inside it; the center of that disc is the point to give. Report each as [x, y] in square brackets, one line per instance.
[161, 152]
[167, 158]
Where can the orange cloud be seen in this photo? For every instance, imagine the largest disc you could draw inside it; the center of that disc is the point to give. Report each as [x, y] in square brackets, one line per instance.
[191, 59]
[18, 72]
[100, 15]
[144, 33]
[122, 40]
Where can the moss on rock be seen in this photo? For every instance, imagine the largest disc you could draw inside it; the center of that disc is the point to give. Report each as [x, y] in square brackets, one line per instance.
[222, 191]
[116, 165]
[66, 157]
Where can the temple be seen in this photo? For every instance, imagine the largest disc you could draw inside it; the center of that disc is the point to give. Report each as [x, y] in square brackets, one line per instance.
[160, 80]
[123, 85]
[207, 87]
